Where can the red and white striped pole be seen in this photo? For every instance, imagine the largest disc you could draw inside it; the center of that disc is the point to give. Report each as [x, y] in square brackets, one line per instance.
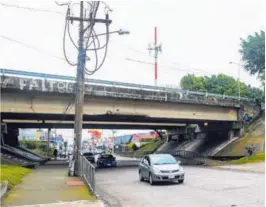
[155, 57]
[157, 48]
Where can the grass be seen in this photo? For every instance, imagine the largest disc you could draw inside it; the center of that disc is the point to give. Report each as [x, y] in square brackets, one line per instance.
[257, 157]
[152, 146]
[12, 174]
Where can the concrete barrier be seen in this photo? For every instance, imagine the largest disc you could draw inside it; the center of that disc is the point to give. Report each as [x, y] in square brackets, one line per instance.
[3, 187]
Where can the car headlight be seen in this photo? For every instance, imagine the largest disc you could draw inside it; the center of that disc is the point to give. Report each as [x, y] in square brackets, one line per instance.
[156, 171]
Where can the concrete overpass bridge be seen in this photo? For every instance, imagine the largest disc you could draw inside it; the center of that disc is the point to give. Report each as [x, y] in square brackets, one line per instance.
[33, 100]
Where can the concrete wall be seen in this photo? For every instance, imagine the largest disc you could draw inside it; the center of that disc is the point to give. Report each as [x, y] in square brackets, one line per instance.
[26, 103]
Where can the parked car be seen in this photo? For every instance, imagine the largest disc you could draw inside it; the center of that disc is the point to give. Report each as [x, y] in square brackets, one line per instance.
[89, 156]
[106, 160]
[160, 168]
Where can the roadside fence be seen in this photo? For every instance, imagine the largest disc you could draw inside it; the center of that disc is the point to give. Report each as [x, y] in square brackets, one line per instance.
[87, 173]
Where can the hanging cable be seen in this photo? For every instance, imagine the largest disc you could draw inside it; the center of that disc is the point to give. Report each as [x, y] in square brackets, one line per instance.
[93, 43]
[88, 72]
[64, 39]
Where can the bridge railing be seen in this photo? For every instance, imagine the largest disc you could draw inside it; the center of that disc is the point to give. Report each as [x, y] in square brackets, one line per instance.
[187, 155]
[88, 173]
[118, 84]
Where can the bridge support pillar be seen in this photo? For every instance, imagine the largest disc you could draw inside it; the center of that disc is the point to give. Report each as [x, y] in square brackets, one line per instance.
[11, 137]
[230, 134]
[176, 133]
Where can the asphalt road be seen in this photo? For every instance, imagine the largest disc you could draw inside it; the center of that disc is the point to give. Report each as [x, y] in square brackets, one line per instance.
[203, 187]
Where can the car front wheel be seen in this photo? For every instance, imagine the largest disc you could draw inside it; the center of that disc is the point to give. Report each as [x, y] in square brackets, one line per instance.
[181, 181]
[140, 176]
[151, 180]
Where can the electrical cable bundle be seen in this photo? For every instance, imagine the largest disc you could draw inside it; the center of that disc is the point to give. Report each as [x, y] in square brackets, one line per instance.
[92, 43]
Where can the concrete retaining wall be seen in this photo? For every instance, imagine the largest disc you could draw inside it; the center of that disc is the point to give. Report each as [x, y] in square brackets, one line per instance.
[3, 187]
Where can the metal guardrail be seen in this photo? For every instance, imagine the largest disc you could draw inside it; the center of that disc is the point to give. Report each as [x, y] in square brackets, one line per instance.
[88, 173]
[117, 84]
[187, 155]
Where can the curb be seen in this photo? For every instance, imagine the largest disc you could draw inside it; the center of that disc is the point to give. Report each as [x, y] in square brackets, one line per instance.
[3, 187]
[239, 170]
[103, 202]
[107, 201]
[60, 204]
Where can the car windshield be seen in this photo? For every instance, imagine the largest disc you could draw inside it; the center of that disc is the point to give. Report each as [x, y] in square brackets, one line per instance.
[88, 154]
[163, 160]
[107, 156]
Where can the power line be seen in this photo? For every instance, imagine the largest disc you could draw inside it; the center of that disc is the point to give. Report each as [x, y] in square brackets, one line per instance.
[31, 9]
[169, 67]
[31, 47]
[130, 48]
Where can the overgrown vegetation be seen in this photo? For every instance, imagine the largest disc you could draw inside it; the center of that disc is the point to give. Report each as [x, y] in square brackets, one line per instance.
[257, 157]
[220, 84]
[130, 146]
[151, 146]
[38, 147]
[237, 148]
[12, 174]
[253, 55]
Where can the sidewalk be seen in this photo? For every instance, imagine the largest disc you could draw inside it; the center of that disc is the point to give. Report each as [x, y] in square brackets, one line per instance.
[50, 185]
[255, 167]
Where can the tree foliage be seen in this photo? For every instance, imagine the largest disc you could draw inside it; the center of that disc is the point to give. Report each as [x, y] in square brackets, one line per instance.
[253, 54]
[220, 84]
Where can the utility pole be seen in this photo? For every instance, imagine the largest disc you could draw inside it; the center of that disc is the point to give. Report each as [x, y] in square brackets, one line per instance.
[48, 141]
[157, 49]
[79, 93]
[82, 47]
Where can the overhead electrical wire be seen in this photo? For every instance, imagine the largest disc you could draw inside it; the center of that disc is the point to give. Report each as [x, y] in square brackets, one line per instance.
[30, 8]
[169, 67]
[31, 47]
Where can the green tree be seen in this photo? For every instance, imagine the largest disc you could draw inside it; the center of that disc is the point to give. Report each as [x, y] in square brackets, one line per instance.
[253, 54]
[191, 82]
[220, 84]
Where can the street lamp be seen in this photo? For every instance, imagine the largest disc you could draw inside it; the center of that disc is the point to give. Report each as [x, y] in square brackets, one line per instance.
[239, 67]
[119, 32]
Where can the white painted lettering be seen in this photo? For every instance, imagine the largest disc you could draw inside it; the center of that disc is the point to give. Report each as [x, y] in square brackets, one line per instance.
[43, 85]
[51, 85]
[61, 87]
[33, 84]
[22, 84]
[69, 87]
[5, 82]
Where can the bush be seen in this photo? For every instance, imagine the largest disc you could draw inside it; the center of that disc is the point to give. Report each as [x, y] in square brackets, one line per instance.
[38, 147]
[132, 146]
[13, 174]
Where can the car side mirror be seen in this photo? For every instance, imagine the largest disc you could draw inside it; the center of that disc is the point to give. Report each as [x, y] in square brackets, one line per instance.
[179, 162]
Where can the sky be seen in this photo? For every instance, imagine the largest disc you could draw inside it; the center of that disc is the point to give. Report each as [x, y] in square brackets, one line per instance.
[199, 37]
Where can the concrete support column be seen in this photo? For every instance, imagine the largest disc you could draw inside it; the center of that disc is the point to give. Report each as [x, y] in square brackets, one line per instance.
[238, 132]
[230, 134]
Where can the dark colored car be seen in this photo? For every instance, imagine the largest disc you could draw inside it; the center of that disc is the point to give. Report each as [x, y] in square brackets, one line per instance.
[89, 156]
[106, 160]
